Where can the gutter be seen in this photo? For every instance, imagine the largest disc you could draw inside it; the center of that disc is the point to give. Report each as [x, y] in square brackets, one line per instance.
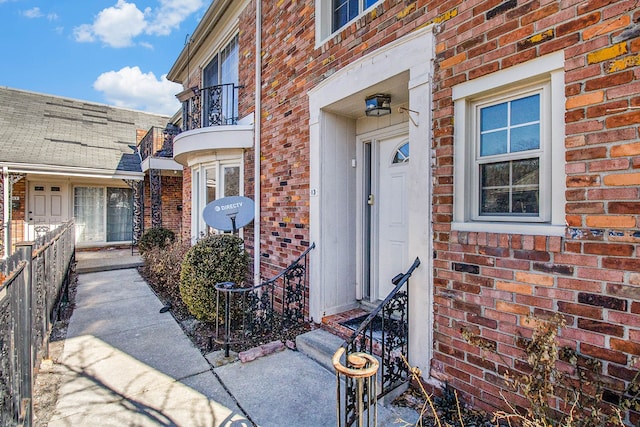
[257, 145]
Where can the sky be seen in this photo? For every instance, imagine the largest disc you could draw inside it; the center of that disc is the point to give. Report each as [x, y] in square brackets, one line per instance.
[114, 52]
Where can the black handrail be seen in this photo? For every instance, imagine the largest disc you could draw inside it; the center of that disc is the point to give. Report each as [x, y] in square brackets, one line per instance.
[393, 312]
[254, 311]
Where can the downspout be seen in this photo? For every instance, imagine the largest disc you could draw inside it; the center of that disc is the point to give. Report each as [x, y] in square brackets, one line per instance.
[256, 156]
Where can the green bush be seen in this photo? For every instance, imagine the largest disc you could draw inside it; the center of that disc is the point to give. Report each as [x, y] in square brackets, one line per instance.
[159, 237]
[213, 259]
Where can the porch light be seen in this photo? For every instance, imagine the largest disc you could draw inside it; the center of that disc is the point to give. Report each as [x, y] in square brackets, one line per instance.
[378, 105]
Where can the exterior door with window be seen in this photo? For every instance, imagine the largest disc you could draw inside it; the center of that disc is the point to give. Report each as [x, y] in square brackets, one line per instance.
[48, 207]
[390, 225]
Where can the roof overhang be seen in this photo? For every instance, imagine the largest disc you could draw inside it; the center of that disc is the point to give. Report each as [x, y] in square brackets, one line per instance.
[161, 164]
[69, 171]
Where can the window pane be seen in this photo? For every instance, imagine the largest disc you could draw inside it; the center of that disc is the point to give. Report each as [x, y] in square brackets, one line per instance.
[525, 138]
[495, 174]
[525, 172]
[525, 201]
[210, 73]
[495, 201]
[493, 117]
[343, 12]
[88, 210]
[211, 185]
[510, 188]
[368, 3]
[119, 214]
[493, 143]
[402, 155]
[232, 181]
[525, 110]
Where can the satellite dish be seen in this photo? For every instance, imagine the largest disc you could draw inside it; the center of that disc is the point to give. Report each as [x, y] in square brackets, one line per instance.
[229, 213]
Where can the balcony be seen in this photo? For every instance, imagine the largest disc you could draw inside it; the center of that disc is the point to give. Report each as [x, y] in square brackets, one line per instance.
[156, 148]
[210, 123]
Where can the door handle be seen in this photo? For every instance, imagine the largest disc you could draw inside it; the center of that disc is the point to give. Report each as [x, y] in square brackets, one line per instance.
[370, 200]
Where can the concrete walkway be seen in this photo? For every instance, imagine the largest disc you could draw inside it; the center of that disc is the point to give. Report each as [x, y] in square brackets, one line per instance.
[126, 364]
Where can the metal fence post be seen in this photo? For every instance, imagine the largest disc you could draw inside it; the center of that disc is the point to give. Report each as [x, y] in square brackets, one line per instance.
[25, 329]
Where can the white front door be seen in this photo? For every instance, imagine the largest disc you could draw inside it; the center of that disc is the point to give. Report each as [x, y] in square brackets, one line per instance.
[390, 220]
[48, 207]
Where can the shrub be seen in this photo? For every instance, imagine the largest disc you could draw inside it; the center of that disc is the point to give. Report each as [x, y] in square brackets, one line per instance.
[156, 237]
[162, 266]
[213, 259]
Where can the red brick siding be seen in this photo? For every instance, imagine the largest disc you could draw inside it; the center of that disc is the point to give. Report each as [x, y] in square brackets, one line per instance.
[484, 282]
[489, 282]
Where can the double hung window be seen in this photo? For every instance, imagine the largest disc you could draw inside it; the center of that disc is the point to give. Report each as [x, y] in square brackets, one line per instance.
[509, 150]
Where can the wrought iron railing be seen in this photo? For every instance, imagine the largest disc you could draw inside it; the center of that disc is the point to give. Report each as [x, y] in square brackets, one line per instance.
[211, 106]
[158, 142]
[33, 286]
[385, 335]
[247, 314]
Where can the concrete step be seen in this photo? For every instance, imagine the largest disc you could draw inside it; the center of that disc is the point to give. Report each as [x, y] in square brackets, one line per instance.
[319, 345]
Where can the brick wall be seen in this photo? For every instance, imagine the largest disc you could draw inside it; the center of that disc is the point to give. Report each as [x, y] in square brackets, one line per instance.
[488, 283]
[484, 282]
[172, 198]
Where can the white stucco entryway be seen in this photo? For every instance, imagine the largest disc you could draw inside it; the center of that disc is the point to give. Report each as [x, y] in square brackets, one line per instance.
[338, 128]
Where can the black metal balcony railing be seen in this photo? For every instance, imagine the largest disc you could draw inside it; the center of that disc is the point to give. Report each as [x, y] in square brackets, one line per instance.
[247, 314]
[384, 335]
[158, 142]
[211, 106]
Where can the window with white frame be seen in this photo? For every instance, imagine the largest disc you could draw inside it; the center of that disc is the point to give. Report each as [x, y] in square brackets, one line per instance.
[333, 15]
[220, 83]
[508, 150]
[212, 181]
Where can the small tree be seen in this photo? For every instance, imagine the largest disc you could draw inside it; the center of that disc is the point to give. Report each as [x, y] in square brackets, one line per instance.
[213, 259]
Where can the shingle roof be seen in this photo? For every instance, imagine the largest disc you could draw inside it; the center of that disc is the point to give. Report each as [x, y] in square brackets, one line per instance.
[38, 129]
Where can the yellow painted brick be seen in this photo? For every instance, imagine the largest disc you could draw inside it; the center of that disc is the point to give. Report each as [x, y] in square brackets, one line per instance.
[534, 279]
[407, 10]
[456, 59]
[611, 221]
[518, 288]
[626, 150]
[622, 179]
[607, 53]
[585, 99]
[537, 38]
[512, 308]
[606, 27]
[624, 63]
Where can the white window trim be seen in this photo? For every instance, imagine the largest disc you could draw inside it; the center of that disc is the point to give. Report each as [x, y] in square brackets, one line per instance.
[324, 20]
[547, 68]
[199, 188]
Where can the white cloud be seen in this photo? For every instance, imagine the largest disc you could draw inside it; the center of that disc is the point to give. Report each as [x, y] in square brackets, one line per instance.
[131, 88]
[115, 26]
[52, 16]
[119, 25]
[83, 33]
[170, 14]
[32, 13]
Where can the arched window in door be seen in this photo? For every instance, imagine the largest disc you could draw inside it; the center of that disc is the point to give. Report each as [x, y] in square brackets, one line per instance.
[402, 154]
